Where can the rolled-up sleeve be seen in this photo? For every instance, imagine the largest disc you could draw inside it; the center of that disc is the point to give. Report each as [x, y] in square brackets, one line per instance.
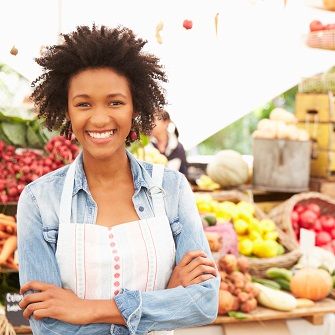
[181, 306]
[37, 261]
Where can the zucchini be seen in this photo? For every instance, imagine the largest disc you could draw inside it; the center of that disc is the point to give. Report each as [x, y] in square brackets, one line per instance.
[283, 283]
[279, 273]
[266, 282]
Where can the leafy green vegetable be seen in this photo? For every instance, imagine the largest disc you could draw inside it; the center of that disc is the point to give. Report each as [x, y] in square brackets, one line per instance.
[34, 141]
[15, 132]
[238, 315]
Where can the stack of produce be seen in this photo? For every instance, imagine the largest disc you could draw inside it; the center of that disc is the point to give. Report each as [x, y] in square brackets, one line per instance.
[206, 183]
[237, 292]
[19, 167]
[310, 216]
[8, 242]
[256, 237]
[307, 284]
[281, 125]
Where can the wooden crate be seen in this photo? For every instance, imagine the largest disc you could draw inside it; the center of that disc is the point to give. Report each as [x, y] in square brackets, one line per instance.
[281, 165]
[323, 134]
[323, 164]
[315, 107]
[322, 185]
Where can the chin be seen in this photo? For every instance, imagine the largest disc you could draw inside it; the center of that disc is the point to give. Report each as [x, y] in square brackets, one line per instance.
[103, 154]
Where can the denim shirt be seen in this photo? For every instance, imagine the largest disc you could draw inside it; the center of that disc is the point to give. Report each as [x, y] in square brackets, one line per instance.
[168, 309]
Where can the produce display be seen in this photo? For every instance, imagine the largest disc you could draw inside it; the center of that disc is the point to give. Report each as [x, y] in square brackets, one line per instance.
[237, 292]
[8, 242]
[256, 237]
[21, 166]
[280, 125]
[310, 216]
[285, 290]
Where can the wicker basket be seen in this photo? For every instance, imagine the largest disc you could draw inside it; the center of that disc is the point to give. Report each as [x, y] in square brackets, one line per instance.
[323, 39]
[258, 266]
[281, 214]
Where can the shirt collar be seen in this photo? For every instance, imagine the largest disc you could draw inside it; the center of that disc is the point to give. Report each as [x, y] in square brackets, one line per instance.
[141, 177]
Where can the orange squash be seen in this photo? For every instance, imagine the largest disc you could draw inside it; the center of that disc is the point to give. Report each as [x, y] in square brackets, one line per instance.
[311, 283]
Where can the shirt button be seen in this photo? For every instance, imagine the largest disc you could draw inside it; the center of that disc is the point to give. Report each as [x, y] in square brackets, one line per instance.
[141, 208]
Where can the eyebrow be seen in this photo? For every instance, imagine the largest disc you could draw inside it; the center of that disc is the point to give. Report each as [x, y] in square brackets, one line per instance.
[112, 95]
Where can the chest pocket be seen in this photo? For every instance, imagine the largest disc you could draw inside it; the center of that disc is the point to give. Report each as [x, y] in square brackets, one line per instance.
[176, 227]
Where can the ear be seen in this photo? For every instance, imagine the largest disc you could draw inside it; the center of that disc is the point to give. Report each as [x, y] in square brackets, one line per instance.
[67, 117]
[135, 114]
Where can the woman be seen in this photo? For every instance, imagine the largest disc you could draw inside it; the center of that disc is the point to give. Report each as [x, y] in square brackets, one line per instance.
[165, 139]
[108, 245]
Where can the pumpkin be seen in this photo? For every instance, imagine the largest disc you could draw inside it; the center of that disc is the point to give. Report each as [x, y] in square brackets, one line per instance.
[228, 168]
[311, 283]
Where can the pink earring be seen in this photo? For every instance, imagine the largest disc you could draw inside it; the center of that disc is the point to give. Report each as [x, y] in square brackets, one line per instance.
[133, 136]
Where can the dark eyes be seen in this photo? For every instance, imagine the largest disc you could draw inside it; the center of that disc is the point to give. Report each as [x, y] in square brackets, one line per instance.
[87, 104]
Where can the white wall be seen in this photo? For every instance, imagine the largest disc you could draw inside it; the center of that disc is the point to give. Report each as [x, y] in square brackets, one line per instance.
[213, 80]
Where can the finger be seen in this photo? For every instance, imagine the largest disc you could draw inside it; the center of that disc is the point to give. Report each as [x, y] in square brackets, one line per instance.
[188, 257]
[199, 261]
[33, 308]
[35, 286]
[32, 298]
[202, 269]
[201, 279]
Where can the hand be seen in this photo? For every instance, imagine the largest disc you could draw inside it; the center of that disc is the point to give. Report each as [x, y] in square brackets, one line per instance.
[53, 302]
[194, 268]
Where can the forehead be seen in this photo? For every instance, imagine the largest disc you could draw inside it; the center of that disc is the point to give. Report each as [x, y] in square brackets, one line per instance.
[101, 79]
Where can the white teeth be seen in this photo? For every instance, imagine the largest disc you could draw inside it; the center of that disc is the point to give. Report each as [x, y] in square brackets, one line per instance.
[101, 135]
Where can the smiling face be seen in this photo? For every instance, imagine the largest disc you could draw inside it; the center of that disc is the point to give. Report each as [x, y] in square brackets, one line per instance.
[100, 109]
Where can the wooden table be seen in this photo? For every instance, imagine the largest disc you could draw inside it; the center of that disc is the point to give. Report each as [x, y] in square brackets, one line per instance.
[313, 314]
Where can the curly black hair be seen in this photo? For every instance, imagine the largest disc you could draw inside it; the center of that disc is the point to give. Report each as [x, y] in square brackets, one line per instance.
[95, 47]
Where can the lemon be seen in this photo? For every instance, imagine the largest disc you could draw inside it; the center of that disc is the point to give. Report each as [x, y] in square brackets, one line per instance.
[257, 246]
[269, 249]
[245, 247]
[271, 235]
[244, 206]
[241, 227]
[255, 235]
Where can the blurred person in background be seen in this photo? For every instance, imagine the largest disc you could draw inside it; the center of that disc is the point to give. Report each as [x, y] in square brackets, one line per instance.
[164, 136]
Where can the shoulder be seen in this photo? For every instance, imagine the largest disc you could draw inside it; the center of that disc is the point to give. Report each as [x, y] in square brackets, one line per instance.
[48, 184]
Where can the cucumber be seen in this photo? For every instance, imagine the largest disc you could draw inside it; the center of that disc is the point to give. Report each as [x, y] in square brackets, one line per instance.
[266, 282]
[283, 283]
[279, 273]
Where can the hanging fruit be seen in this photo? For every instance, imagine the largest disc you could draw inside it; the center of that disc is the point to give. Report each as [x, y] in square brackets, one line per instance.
[216, 23]
[14, 50]
[159, 28]
[188, 24]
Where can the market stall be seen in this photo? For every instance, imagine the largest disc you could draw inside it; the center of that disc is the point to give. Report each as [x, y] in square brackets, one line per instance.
[270, 223]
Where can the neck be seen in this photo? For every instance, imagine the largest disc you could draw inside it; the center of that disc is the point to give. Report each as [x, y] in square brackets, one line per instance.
[105, 172]
[162, 138]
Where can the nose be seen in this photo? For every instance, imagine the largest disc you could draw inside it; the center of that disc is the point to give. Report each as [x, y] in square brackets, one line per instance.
[100, 117]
